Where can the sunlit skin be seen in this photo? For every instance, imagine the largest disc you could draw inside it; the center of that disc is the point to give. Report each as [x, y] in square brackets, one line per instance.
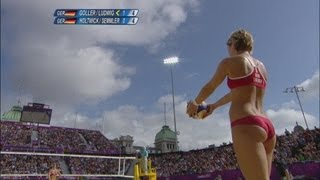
[54, 173]
[254, 154]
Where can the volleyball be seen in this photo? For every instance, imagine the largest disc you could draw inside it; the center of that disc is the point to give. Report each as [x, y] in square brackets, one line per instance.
[202, 110]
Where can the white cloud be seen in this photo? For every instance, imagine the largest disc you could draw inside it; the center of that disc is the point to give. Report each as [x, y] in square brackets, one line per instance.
[65, 66]
[311, 86]
[76, 64]
[194, 134]
[286, 118]
[132, 120]
[289, 105]
[77, 76]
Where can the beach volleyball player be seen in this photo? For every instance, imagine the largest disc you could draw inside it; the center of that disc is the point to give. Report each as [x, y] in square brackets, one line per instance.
[54, 172]
[253, 134]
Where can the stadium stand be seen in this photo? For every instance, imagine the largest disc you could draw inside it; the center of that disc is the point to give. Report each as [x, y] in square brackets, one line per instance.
[301, 151]
[296, 149]
[18, 137]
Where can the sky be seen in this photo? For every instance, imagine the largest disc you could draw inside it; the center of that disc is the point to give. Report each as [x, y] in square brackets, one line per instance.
[112, 78]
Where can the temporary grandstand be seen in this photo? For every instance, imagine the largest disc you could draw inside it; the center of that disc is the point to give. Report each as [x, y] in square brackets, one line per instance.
[29, 150]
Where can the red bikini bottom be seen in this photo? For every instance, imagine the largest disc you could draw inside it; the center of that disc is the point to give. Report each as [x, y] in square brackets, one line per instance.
[260, 121]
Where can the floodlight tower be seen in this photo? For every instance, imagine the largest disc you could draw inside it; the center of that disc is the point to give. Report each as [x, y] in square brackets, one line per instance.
[172, 61]
[296, 89]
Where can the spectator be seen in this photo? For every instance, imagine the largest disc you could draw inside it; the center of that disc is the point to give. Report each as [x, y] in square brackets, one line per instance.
[281, 167]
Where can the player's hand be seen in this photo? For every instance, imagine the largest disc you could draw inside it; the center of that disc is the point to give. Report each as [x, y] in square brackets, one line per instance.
[191, 110]
[210, 109]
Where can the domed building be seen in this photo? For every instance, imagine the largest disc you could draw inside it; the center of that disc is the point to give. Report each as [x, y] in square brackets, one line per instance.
[165, 140]
[298, 129]
[13, 115]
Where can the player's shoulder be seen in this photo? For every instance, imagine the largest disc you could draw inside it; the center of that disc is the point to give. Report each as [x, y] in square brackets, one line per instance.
[227, 60]
[259, 62]
[233, 60]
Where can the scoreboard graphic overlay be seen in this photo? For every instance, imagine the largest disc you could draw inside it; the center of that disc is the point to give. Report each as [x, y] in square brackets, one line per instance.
[96, 16]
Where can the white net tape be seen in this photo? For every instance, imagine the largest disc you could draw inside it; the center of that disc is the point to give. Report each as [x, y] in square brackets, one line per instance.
[120, 173]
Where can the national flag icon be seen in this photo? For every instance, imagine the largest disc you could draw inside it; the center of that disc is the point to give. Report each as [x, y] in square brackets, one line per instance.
[70, 21]
[70, 13]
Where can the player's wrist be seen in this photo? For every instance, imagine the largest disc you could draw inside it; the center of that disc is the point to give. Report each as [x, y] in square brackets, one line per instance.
[194, 102]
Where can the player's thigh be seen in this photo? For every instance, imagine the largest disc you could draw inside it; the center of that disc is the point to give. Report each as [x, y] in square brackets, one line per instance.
[269, 146]
[250, 152]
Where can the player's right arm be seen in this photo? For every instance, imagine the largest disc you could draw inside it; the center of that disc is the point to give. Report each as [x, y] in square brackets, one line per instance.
[208, 88]
[214, 82]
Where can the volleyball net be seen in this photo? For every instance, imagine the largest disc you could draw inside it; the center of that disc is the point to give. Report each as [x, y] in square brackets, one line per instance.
[36, 165]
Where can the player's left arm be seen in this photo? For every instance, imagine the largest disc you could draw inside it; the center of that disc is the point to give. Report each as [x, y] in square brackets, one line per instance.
[222, 101]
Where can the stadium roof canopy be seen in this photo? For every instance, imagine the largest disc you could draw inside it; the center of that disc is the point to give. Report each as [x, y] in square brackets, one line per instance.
[13, 115]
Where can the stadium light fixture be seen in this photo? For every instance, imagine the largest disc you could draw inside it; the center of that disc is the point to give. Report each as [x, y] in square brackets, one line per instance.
[171, 61]
[295, 90]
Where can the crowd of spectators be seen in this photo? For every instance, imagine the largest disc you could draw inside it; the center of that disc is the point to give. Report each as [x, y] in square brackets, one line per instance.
[291, 147]
[17, 136]
[300, 146]
[14, 134]
[195, 161]
[23, 164]
[55, 137]
[101, 144]
[66, 140]
[29, 164]
[93, 166]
